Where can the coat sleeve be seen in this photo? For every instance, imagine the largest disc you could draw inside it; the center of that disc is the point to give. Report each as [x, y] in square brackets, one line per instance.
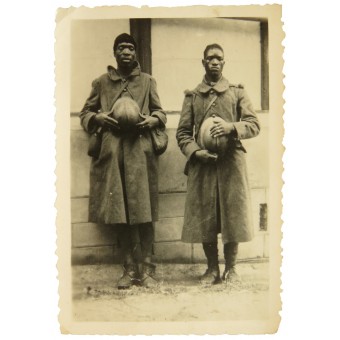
[155, 104]
[92, 105]
[185, 130]
[248, 126]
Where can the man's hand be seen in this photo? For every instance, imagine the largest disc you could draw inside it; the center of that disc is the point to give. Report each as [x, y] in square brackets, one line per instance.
[221, 127]
[103, 119]
[148, 122]
[205, 156]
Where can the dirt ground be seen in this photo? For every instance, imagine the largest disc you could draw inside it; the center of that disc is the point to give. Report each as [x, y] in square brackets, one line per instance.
[179, 296]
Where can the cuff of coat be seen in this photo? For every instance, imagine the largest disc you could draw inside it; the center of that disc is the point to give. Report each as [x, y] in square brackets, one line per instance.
[161, 117]
[88, 122]
[190, 149]
[238, 130]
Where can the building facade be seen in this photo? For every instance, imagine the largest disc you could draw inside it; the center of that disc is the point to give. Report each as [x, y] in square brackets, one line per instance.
[171, 50]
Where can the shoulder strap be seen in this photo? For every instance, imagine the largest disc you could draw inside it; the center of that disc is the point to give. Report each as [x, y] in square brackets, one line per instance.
[125, 84]
[209, 105]
[206, 112]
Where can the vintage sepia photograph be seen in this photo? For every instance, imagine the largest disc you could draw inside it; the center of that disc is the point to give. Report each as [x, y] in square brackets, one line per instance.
[169, 169]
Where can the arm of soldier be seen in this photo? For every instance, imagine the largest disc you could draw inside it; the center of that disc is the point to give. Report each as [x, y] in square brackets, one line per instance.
[185, 130]
[155, 105]
[204, 156]
[249, 125]
[90, 109]
[90, 117]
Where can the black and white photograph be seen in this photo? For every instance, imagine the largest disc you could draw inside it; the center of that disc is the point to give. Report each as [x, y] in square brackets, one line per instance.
[169, 129]
[169, 169]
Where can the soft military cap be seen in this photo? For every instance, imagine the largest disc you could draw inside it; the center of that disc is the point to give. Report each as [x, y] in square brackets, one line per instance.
[126, 38]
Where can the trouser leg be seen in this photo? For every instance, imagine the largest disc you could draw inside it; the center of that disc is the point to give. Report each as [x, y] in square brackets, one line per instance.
[211, 253]
[125, 241]
[146, 236]
[230, 251]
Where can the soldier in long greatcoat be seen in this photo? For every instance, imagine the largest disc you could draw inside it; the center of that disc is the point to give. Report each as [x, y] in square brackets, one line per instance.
[218, 195]
[124, 175]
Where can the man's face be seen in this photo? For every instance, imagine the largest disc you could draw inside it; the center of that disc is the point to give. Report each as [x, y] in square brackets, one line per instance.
[125, 54]
[213, 62]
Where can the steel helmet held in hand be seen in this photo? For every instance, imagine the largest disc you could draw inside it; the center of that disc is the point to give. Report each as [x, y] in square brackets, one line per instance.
[126, 111]
[207, 141]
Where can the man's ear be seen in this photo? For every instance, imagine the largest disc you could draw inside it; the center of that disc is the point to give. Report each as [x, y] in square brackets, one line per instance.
[203, 62]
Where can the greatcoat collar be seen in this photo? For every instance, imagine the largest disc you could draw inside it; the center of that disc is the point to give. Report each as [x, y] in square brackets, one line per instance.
[221, 86]
[115, 75]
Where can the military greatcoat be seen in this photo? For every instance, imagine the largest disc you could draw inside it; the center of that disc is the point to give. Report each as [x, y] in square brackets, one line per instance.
[218, 195]
[124, 178]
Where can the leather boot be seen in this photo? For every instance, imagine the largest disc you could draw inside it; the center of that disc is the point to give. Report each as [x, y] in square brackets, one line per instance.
[212, 274]
[147, 276]
[129, 277]
[230, 256]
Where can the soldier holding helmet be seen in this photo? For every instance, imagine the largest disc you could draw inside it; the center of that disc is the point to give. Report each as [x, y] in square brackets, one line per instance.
[218, 195]
[124, 174]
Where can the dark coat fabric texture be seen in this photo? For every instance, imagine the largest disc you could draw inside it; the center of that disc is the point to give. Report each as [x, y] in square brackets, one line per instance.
[218, 193]
[124, 178]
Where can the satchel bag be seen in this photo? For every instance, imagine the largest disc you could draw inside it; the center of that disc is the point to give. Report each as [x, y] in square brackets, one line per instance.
[95, 141]
[159, 140]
